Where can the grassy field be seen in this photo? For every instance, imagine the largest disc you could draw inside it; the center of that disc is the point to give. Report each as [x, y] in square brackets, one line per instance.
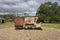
[7, 24]
[47, 25]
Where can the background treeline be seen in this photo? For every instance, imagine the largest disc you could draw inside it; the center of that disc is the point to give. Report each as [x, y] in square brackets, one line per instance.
[48, 13]
[9, 17]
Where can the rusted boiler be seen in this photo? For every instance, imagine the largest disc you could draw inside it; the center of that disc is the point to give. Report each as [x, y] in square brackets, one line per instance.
[19, 22]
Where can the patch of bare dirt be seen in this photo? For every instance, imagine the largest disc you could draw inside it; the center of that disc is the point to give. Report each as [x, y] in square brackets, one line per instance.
[45, 34]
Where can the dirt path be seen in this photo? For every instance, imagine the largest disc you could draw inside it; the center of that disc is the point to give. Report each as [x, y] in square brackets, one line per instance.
[45, 34]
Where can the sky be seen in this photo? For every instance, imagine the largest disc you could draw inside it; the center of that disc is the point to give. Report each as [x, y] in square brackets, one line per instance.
[22, 6]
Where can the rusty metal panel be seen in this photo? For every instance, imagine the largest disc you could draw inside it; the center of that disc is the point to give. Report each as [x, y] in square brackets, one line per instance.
[19, 21]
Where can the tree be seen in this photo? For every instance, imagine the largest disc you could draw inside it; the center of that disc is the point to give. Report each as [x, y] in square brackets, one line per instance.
[25, 14]
[10, 17]
[48, 12]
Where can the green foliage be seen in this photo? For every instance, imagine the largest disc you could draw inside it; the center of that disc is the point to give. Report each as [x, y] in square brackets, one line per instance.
[49, 13]
[25, 14]
[10, 17]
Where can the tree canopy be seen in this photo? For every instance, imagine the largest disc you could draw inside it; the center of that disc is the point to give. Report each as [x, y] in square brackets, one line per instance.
[48, 13]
